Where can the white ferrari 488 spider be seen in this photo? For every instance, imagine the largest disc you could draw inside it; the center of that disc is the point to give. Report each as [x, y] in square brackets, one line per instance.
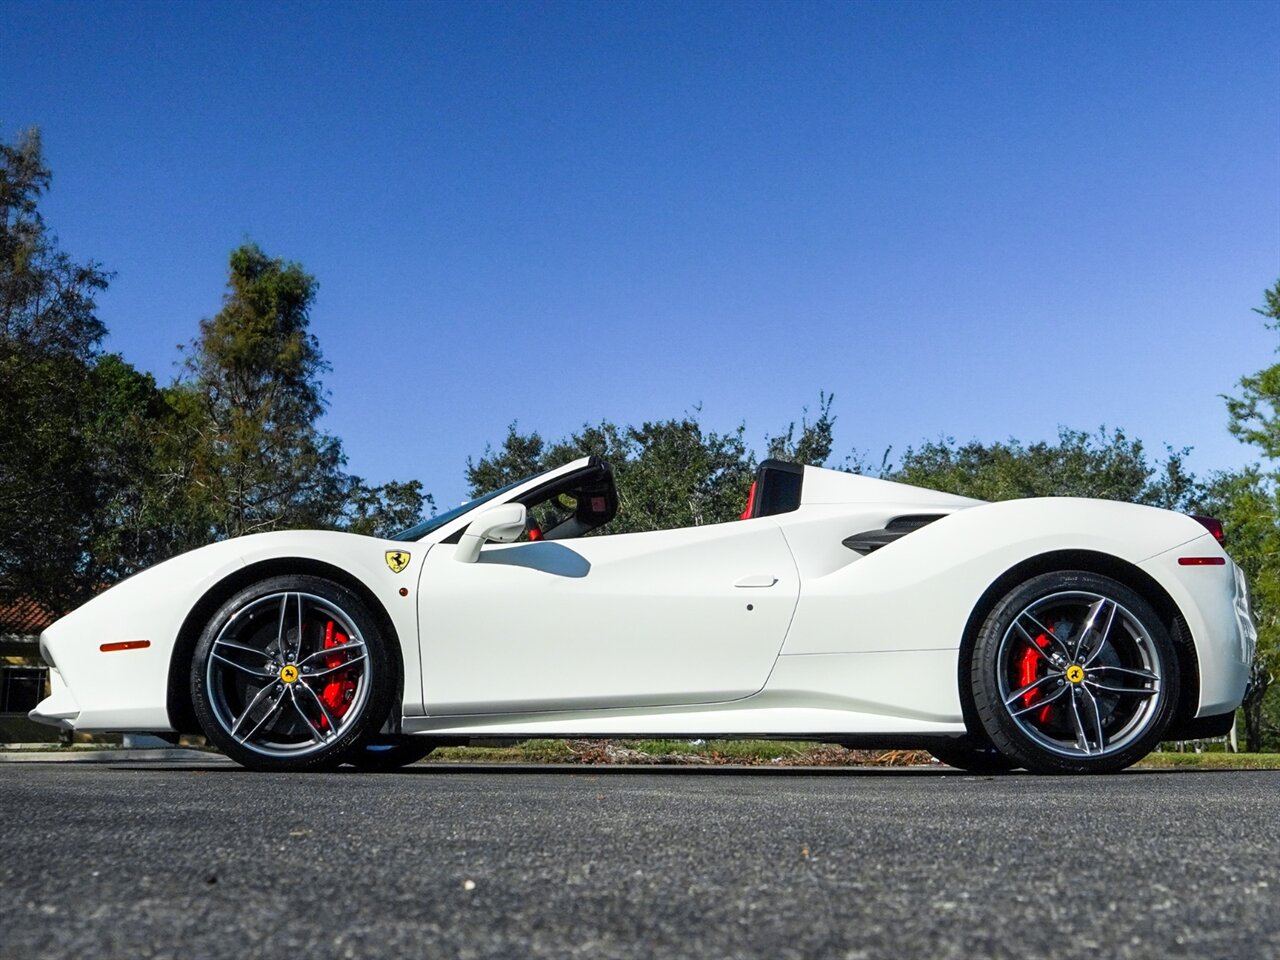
[1057, 635]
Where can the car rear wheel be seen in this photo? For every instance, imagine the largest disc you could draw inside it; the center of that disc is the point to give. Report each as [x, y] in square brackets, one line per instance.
[291, 673]
[1074, 672]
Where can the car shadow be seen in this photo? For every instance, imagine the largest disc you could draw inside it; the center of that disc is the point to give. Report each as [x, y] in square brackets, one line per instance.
[544, 556]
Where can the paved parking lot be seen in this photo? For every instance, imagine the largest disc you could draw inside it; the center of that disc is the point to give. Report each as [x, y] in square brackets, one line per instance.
[103, 860]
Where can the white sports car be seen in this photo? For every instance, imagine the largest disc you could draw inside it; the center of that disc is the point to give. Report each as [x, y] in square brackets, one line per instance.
[1058, 635]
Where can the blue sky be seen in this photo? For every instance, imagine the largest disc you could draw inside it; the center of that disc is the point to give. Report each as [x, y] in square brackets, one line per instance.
[977, 220]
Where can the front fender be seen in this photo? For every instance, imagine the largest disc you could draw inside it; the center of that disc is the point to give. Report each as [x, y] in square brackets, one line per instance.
[127, 689]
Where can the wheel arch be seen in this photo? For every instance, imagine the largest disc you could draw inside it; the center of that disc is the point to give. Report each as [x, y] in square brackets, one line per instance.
[178, 695]
[1092, 561]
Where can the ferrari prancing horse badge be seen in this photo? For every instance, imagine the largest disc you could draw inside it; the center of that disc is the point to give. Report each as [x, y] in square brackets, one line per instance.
[397, 560]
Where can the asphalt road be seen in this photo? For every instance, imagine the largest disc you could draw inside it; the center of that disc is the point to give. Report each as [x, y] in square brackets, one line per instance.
[111, 861]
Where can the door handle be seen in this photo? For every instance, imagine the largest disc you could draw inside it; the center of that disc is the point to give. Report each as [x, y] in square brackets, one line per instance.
[757, 580]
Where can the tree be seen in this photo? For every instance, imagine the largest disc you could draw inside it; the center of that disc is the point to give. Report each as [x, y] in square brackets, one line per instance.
[681, 476]
[47, 305]
[68, 424]
[384, 510]
[670, 473]
[242, 437]
[1245, 502]
[1106, 465]
[1248, 501]
[521, 455]
[48, 489]
[1255, 414]
[135, 515]
[102, 472]
[260, 461]
[814, 444]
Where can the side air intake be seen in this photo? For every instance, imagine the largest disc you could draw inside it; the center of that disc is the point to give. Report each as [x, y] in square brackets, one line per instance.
[895, 529]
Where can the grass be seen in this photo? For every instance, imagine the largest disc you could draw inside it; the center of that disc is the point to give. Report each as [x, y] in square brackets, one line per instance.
[527, 751]
[1213, 761]
[682, 752]
[778, 753]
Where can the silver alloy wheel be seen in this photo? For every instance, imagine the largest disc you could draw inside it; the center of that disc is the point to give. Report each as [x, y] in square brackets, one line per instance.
[288, 674]
[1079, 674]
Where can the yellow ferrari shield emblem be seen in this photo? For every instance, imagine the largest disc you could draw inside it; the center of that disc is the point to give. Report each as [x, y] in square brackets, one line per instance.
[1075, 673]
[397, 560]
[288, 673]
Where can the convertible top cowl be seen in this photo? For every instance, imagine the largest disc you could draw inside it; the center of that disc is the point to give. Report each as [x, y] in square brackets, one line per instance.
[835, 486]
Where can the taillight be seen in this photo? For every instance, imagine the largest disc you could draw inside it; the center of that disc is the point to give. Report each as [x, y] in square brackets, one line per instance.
[751, 503]
[1213, 525]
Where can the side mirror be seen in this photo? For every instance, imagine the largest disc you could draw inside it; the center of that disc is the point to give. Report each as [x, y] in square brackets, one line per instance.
[501, 524]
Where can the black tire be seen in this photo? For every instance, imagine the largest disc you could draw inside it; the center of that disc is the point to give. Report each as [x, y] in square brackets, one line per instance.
[292, 674]
[1074, 672]
[973, 758]
[383, 756]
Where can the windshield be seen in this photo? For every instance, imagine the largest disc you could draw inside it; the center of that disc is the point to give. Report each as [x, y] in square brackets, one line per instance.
[420, 530]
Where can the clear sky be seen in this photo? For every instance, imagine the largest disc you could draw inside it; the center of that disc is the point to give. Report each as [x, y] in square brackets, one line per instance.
[967, 219]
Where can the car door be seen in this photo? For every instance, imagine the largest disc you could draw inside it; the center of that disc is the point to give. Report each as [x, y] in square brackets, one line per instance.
[695, 615]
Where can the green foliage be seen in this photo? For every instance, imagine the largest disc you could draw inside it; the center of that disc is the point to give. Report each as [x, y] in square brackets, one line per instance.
[102, 472]
[521, 455]
[243, 445]
[814, 444]
[1255, 414]
[261, 462]
[678, 475]
[1249, 502]
[47, 304]
[1105, 465]
[81, 502]
[384, 510]
[69, 416]
[670, 473]
[47, 484]
[1212, 761]
[130, 527]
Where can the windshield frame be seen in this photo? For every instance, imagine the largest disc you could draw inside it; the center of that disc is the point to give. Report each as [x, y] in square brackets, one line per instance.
[431, 524]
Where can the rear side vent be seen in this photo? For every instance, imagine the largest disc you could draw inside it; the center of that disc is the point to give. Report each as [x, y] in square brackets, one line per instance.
[913, 522]
[895, 529]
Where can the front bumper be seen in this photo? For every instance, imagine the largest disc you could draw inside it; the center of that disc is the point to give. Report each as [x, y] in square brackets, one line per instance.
[60, 708]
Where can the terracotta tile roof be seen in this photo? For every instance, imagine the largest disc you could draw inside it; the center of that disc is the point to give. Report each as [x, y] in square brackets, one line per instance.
[24, 617]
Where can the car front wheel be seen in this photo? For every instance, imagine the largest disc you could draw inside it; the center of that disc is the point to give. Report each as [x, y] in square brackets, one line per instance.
[291, 674]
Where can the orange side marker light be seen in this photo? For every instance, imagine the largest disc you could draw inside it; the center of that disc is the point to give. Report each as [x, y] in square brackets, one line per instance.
[125, 645]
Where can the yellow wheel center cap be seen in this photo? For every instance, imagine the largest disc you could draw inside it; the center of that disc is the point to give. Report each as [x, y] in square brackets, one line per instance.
[288, 673]
[1075, 673]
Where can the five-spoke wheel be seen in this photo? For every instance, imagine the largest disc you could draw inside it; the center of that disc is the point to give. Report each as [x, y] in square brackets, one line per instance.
[1074, 672]
[290, 674]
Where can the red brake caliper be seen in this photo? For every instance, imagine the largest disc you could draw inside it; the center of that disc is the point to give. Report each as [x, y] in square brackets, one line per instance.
[1029, 672]
[338, 692]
